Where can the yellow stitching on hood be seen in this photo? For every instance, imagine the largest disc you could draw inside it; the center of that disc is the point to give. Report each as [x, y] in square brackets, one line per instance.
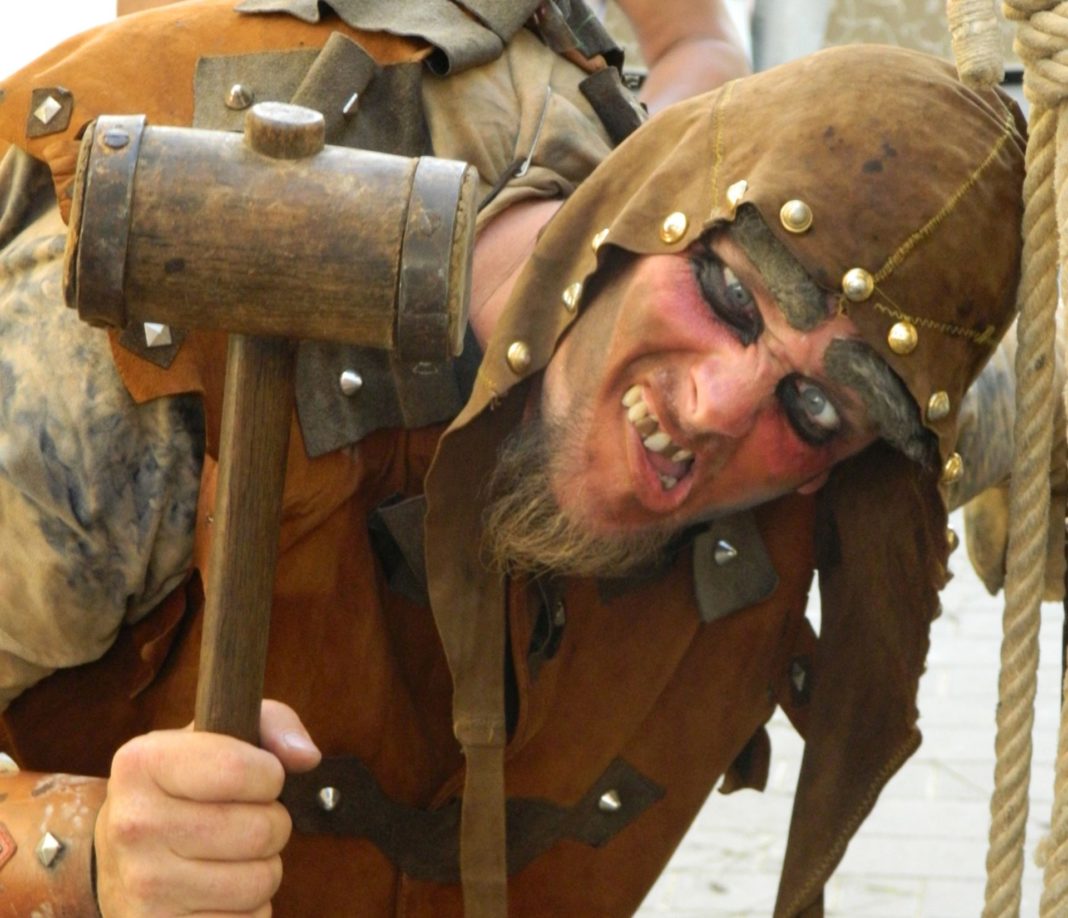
[929, 227]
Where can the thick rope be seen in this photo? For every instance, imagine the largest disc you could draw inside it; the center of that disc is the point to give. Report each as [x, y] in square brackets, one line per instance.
[1039, 46]
[1029, 502]
[1054, 900]
[976, 39]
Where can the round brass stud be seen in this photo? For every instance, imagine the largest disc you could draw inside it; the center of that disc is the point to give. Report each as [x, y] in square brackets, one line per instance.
[572, 295]
[736, 192]
[796, 216]
[674, 227]
[952, 539]
[903, 337]
[857, 284]
[598, 239]
[938, 406]
[952, 469]
[518, 357]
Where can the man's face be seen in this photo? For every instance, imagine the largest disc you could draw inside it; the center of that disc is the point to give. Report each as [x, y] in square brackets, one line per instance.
[685, 393]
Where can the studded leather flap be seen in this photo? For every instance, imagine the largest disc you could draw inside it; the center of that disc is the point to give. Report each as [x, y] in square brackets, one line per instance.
[731, 567]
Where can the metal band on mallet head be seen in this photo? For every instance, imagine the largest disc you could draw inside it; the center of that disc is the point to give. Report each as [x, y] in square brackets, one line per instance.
[271, 237]
[270, 233]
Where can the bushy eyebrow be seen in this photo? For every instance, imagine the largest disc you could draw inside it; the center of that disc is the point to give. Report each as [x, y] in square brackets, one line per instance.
[859, 383]
[799, 298]
[854, 364]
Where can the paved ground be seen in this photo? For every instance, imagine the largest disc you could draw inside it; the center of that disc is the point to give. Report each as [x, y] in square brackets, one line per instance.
[921, 853]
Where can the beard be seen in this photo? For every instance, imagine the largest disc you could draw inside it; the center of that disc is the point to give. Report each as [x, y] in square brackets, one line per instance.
[526, 530]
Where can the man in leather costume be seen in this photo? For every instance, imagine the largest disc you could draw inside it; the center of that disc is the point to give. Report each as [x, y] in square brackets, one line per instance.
[741, 343]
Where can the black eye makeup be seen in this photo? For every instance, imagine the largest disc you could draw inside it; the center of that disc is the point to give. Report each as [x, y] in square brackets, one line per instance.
[730, 300]
[808, 409]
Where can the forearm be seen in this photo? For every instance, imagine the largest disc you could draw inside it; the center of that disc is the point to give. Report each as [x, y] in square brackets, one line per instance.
[689, 47]
[692, 66]
[46, 853]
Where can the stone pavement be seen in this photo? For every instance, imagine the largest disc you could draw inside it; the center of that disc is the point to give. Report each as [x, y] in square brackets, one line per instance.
[922, 851]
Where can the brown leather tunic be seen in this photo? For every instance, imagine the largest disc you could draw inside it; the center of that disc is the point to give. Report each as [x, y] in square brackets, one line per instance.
[625, 694]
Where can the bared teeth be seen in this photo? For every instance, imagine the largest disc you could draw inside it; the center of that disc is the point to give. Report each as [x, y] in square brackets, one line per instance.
[653, 438]
[637, 411]
[646, 426]
[658, 442]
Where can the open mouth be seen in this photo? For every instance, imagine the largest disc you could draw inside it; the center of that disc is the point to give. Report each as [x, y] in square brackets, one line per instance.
[670, 461]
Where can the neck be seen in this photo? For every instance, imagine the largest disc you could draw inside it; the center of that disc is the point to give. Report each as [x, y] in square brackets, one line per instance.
[501, 252]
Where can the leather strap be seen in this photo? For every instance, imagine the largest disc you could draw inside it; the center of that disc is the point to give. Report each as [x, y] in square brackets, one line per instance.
[424, 844]
[46, 843]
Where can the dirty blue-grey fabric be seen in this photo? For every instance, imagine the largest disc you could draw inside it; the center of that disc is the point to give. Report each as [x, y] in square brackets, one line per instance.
[97, 495]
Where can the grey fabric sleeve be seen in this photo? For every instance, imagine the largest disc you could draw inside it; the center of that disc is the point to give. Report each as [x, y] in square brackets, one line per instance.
[97, 494]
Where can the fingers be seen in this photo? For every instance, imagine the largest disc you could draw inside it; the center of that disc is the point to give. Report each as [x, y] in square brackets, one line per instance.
[195, 887]
[192, 823]
[206, 767]
[223, 831]
[282, 733]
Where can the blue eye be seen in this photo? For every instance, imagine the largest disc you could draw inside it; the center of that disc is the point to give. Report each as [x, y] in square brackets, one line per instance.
[738, 295]
[808, 409]
[728, 298]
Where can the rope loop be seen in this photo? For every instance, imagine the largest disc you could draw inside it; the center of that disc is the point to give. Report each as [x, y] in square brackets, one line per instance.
[1042, 44]
[976, 40]
[1019, 10]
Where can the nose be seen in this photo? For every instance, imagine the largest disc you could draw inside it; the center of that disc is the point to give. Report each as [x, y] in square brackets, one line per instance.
[731, 390]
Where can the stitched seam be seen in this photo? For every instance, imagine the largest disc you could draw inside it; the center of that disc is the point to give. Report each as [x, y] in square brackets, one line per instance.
[986, 336]
[728, 90]
[928, 228]
[867, 802]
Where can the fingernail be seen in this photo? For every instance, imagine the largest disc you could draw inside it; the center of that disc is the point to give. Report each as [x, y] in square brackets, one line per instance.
[298, 741]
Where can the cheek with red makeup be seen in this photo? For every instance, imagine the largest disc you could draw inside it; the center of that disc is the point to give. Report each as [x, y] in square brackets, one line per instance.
[769, 462]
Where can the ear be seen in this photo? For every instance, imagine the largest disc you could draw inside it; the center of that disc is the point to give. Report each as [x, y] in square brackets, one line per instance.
[814, 484]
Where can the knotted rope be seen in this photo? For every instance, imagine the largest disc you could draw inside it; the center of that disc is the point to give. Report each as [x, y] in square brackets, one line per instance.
[1042, 44]
[976, 39]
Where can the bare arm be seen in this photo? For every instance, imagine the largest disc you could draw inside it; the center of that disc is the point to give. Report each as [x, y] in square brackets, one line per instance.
[690, 47]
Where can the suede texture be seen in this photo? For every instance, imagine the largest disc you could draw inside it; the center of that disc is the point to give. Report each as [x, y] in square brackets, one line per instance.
[908, 175]
[366, 668]
[909, 199]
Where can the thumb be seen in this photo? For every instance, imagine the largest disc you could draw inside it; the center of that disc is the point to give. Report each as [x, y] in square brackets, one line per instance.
[282, 733]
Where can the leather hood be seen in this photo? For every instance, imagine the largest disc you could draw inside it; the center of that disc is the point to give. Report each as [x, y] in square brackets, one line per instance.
[913, 179]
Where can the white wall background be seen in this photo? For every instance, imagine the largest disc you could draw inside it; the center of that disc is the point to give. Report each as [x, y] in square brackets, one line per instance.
[28, 29]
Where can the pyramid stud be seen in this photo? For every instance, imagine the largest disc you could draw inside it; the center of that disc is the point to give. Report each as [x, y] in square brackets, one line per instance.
[48, 849]
[351, 382]
[47, 110]
[158, 335]
[724, 552]
[329, 798]
[610, 802]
